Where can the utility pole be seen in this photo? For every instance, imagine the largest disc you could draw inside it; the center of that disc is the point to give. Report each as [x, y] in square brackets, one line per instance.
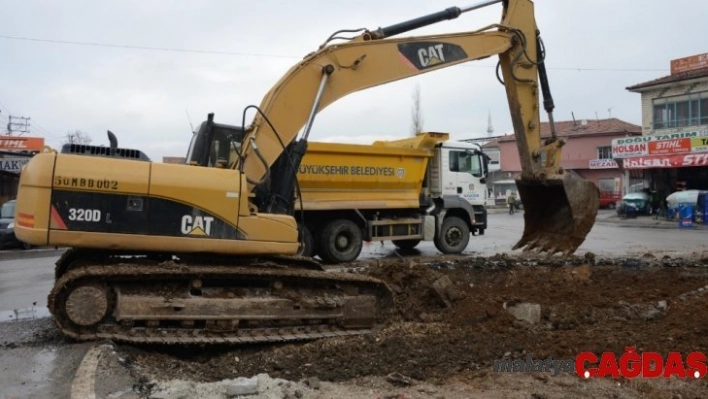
[22, 126]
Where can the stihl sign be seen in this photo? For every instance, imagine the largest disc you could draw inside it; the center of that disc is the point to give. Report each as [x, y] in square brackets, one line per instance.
[669, 161]
[19, 143]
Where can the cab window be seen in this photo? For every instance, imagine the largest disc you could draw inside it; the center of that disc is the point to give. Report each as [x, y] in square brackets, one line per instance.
[464, 162]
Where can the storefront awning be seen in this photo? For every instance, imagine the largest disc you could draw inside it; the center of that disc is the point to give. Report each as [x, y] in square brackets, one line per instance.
[666, 161]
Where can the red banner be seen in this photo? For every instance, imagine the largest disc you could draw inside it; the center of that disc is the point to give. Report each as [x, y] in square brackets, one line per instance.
[693, 62]
[21, 143]
[665, 161]
[675, 146]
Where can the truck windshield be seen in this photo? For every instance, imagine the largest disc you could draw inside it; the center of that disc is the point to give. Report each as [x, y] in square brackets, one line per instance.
[462, 161]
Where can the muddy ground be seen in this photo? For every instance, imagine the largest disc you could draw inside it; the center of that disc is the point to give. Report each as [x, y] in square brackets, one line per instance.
[444, 345]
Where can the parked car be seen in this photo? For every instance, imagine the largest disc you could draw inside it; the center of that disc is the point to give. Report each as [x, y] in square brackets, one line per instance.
[627, 210]
[610, 199]
[7, 227]
[641, 200]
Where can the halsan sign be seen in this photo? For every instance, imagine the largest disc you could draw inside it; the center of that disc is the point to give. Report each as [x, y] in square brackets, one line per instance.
[629, 150]
[666, 161]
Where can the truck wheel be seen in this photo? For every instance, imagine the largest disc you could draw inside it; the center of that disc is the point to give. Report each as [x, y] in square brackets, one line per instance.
[406, 244]
[340, 241]
[307, 247]
[453, 237]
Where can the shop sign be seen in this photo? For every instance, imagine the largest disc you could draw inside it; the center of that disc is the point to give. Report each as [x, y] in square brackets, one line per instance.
[660, 144]
[699, 144]
[659, 137]
[666, 161]
[13, 164]
[603, 164]
[21, 143]
[626, 150]
[691, 63]
[675, 146]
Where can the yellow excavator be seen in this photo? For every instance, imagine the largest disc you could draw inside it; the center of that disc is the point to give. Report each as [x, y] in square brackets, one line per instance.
[202, 253]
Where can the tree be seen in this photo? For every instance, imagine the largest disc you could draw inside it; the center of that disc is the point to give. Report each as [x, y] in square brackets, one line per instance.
[77, 137]
[416, 112]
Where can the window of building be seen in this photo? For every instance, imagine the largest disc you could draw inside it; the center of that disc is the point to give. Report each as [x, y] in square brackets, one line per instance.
[604, 152]
[680, 111]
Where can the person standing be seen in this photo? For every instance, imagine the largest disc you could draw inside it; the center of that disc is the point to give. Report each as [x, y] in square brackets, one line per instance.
[511, 201]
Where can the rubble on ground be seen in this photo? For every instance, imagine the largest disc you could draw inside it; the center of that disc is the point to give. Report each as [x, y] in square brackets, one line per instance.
[454, 317]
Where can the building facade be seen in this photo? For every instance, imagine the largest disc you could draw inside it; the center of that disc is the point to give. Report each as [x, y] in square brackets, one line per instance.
[587, 153]
[672, 154]
[15, 152]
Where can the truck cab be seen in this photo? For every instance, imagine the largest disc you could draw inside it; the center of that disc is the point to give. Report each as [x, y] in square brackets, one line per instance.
[459, 169]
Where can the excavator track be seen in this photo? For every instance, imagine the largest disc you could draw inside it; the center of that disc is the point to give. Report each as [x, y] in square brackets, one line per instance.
[138, 300]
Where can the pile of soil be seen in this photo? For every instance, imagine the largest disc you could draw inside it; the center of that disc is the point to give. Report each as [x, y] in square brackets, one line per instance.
[587, 304]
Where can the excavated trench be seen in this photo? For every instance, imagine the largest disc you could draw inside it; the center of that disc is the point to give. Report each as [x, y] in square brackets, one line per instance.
[452, 317]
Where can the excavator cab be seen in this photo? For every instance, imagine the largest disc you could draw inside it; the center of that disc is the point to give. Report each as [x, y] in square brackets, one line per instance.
[215, 145]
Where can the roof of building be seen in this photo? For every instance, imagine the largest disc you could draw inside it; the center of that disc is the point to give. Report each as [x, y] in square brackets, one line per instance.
[580, 128]
[677, 77]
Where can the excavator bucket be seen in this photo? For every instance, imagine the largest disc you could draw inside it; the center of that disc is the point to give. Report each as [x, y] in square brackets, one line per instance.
[558, 213]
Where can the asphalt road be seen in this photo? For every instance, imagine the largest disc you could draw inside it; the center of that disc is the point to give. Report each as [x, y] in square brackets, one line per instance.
[31, 367]
[27, 276]
[608, 237]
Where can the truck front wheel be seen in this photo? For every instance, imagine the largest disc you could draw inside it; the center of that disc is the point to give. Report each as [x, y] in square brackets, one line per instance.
[453, 237]
[340, 241]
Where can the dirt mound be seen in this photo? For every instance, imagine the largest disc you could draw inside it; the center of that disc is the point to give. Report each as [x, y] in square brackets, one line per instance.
[585, 305]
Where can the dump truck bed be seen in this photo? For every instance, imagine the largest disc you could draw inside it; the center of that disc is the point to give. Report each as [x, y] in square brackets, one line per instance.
[342, 176]
[383, 175]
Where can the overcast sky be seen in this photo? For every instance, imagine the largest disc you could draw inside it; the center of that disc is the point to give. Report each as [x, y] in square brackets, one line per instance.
[595, 48]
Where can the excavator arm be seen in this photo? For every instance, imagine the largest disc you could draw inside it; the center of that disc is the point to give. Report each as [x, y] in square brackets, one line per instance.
[560, 209]
[374, 58]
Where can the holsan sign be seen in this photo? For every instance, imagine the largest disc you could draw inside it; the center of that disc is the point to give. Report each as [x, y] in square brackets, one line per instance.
[659, 144]
[666, 161]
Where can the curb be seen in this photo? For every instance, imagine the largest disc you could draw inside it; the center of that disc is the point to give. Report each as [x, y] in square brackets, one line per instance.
[657, 225]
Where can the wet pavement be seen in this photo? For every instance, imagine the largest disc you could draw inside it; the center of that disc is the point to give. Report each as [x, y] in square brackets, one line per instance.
[611, 236]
